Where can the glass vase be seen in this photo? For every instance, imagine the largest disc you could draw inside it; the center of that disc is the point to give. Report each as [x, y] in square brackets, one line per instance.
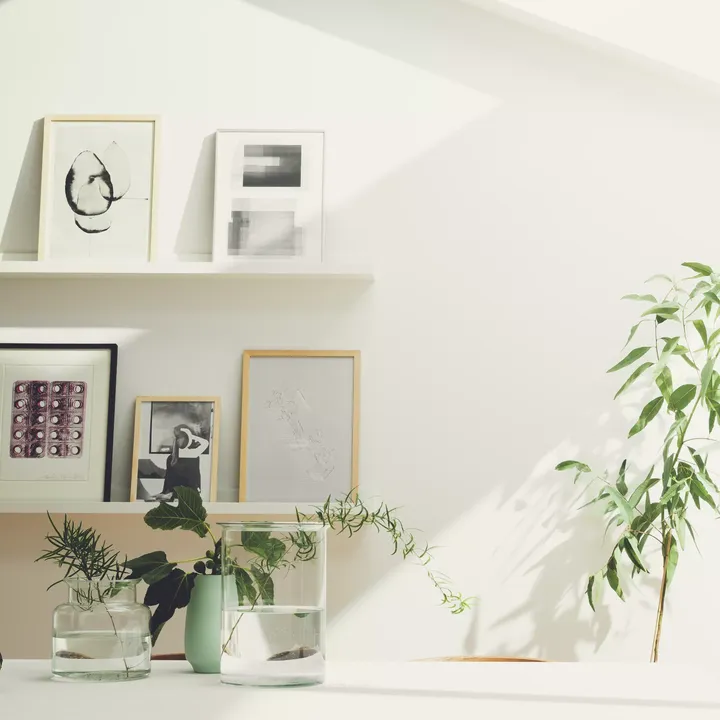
[102, 633]
[273, 603]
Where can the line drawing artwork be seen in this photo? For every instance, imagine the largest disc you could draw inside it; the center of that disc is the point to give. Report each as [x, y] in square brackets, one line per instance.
[94, 183]
[288, 405]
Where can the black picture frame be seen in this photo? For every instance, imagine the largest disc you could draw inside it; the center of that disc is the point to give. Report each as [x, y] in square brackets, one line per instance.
[112, 349]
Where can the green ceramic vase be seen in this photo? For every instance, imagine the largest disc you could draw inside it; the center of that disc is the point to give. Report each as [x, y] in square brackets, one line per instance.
[202, 624]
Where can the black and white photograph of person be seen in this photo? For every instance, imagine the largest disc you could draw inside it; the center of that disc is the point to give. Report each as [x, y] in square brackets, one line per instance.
[175, 446]
[98, 188]
[268, 196]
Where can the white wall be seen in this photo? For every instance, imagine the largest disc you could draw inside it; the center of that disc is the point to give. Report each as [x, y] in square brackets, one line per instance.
[508, 189]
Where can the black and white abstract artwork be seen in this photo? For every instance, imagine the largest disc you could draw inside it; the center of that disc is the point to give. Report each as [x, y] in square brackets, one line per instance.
[269, 195]
[97, 198]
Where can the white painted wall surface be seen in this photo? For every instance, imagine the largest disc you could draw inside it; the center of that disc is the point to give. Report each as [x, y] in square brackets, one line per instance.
[508, 188]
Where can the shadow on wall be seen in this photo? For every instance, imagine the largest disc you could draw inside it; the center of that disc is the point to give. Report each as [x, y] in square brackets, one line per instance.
[197, 220]
[20, 234]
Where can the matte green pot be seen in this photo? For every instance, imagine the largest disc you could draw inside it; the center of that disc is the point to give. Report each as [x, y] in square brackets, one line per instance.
[202, 624]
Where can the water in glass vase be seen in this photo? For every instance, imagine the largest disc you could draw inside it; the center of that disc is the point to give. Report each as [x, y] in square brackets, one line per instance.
[273, 645]
[101, 656]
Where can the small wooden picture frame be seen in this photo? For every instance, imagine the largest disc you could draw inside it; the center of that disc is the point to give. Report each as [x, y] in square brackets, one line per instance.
[176, 443]
[98, 190]
[300, 425]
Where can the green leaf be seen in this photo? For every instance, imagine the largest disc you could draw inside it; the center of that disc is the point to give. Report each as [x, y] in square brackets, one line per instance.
[682, 397]
[689, 361]
[646, 416]
[664, 382]
[701, 493]
[624, 507]
[633, 330]
[262, 544]
[672, 556]
[671, 492]
[245, 587]
[630, 358]
[633, 552]
[698, 268]
[589, 591]
[643, 298]
[667, 278]
[151, 567]
[702, 332]
[641, 489]
[710, 295]
[692, 533]
[613, 579]
[265, 584]
[621, 485]
[681, 528]
[663, 309]
[572, 465]
[188, 514]
[169, 594]
[711, 420]
[635, 375]
[713, 337]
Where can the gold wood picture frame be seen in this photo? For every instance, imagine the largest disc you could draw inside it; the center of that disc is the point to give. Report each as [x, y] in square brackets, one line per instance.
[176, 443]
[99, 188]
[300, 425]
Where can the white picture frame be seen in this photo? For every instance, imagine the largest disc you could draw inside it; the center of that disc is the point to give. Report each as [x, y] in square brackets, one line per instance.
[268, 196]
[300, 425]
[178, 435]
[99, 188]
[57, 406]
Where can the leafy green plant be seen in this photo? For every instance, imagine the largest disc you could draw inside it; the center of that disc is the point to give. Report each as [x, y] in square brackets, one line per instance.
[170, 586]
[653, 506]
[83, 554]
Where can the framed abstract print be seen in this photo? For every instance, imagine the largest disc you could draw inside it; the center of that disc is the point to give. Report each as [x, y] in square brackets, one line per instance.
[99, 178]
[268, 196]
[176, 444]
[300, 425]
[57, 406]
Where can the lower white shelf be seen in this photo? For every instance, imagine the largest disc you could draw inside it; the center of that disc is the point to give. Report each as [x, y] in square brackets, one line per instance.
[139, 508]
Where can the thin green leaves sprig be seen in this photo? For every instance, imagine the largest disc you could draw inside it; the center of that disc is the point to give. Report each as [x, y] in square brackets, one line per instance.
[680, 372]
[82, 552]
[349, 515]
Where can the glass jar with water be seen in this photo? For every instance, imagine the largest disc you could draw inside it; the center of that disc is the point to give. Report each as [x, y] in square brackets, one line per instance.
[101, 633]
[273, 626]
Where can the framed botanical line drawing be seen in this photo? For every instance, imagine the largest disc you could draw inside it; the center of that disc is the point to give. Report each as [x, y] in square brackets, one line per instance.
[99, 183]
[57, 407]
[268, 196]
[300, 421]
[176, 444]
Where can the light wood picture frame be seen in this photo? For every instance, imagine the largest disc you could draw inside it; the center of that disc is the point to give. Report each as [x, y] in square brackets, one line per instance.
[99, 188]
[300, 425]
[176, 442]
[269, 196]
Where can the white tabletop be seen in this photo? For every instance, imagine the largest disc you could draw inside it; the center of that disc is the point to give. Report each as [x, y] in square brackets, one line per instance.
[375, 691]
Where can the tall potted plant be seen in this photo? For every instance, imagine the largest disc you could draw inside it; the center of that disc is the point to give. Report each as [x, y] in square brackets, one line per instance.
[675, 365]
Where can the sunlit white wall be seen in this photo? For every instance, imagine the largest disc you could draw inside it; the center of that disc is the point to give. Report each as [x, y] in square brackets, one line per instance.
[507, 187]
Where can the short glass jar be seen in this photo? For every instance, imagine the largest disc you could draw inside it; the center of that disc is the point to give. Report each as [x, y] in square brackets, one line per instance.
[102, 633]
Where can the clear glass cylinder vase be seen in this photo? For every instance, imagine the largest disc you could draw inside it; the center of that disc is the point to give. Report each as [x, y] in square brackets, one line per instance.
[273, 595]
[102, 633]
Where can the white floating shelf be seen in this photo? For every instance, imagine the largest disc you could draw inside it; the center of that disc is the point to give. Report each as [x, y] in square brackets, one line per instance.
[71, 507]
[259, 269]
